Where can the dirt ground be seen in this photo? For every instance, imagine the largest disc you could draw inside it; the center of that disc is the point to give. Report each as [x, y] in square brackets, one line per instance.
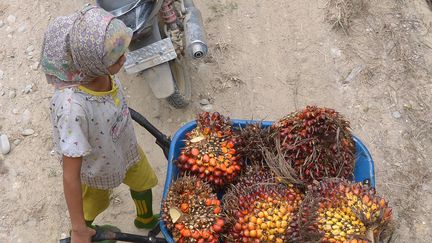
[267, 58]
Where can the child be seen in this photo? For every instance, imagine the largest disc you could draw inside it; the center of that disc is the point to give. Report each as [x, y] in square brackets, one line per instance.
[92, 127]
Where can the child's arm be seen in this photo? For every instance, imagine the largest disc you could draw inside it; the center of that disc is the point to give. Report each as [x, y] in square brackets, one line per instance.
[72, 190]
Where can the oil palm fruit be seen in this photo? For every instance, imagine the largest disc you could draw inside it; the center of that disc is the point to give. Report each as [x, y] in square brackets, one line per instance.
[259, 209]
[192, 212]
[336, 210]
[317, 143]
[210, 150]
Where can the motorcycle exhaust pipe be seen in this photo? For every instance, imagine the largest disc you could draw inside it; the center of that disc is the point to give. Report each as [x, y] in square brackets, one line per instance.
[196, 43]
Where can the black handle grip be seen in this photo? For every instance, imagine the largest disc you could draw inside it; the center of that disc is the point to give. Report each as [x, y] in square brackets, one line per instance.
[109, 235]
[161, 139]
[100, 235]
[155, 231]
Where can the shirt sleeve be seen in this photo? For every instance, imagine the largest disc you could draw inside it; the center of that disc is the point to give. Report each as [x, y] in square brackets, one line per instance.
[73, 131]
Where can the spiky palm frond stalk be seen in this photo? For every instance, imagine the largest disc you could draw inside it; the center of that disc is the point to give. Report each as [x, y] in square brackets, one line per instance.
[275, 159]
[192, 212]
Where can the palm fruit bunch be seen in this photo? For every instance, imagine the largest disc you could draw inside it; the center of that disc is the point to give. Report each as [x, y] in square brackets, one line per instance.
[258, 209]
[192, 212]
[210, 150]
[336, 210]
[317, 143]
[252, 138]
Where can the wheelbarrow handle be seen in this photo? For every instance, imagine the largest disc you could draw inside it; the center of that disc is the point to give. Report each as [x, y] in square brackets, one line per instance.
[102, 234]
[161, 139]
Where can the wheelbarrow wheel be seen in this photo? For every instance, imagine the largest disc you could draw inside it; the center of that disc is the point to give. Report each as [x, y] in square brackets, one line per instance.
[182, 90]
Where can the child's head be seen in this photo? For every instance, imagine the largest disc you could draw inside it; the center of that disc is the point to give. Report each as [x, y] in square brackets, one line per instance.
[87, 44]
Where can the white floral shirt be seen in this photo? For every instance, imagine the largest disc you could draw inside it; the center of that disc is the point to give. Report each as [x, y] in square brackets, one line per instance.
[96, 126]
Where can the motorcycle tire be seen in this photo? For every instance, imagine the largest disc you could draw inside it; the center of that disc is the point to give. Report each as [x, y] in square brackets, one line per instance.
[182, 84]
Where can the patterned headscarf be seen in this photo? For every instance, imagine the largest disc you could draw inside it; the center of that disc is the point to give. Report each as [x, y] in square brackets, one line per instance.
[80, 47]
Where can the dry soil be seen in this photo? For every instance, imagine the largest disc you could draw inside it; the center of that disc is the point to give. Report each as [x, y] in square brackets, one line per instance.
[267, 58]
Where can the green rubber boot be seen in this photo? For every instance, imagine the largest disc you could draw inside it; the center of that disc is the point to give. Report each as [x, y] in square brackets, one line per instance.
[143, 204]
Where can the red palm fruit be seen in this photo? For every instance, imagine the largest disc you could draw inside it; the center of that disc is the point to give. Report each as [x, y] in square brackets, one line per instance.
[195, 151]
[237, 227]
[220, 222]
[216, 202]
[179, 226]
[230, 144]
[195, 235]
[183, 158]
[205, 234]
[217, 173]
[201, 169]
[185, 233]
[191, 161]
[217, 228]
[208, 202]
[213, 162]
[230, 170]
[217, 210]
[184, 207]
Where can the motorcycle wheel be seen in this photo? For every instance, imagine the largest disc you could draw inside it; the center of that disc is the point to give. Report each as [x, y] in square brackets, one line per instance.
[182, 90]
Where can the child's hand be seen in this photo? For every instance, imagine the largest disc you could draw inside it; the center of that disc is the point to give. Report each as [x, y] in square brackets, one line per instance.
[115, 68]
[82, 235]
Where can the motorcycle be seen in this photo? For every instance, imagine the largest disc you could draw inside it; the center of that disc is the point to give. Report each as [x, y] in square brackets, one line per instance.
[168, 35]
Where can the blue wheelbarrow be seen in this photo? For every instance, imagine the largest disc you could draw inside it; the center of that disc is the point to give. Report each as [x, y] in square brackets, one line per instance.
[363, 172]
